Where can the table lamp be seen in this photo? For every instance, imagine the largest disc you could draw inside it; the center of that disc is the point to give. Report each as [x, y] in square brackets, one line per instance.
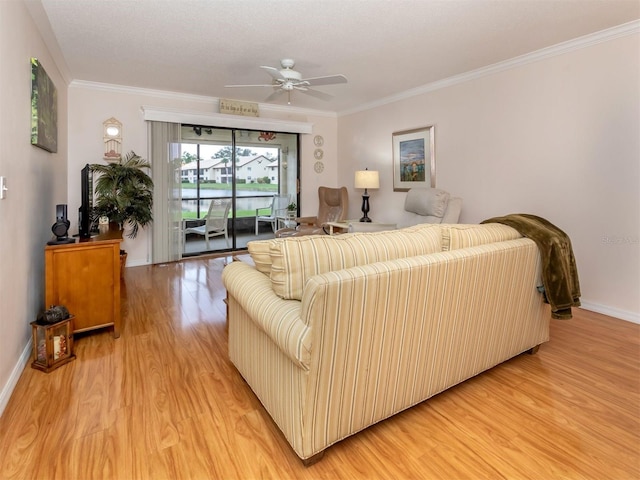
[366, 179]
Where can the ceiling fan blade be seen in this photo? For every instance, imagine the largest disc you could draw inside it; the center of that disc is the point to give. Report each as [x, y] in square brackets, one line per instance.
[274, 72]
[274, 95]
[287, 80]
[328, 80]
[235, 86]
[316, 93]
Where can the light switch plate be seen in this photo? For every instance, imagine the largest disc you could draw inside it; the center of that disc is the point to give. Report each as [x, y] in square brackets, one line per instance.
[3, 188]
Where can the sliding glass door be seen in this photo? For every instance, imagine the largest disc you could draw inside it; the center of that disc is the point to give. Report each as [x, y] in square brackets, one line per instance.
[241, 168]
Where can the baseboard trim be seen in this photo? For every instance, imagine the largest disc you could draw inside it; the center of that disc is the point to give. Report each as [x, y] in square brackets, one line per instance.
[611, 312]
[8, 388]
[137, 263]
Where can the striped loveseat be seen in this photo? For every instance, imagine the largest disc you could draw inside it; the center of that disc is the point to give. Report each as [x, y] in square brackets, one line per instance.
[335, 333]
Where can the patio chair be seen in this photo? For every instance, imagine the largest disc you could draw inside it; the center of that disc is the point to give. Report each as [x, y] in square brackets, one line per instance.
[216, 222]
[278, 211]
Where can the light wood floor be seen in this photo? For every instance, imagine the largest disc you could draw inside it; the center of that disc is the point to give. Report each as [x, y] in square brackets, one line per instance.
[164, 402]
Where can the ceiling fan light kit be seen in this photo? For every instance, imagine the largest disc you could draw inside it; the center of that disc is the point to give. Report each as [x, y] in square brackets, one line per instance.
[286, 79]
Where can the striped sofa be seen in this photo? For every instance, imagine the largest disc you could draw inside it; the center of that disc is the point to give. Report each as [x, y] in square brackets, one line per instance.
[335, 333]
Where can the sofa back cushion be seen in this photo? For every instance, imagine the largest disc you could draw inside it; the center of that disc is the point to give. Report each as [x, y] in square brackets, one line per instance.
[295, 260]
[260, 251]
[458, 236]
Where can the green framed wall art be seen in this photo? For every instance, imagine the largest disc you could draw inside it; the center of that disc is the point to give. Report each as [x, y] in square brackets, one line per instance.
[44, 109]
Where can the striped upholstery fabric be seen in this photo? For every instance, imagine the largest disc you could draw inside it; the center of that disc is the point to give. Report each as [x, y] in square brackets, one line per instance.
[279, 383]
[390, 335]
[278, 318]
[457, 236]
[295, 260]
[260, 251]
[371, 340]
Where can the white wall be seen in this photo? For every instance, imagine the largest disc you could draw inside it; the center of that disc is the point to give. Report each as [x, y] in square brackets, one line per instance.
[91, 104]
[558, 138]
[37, 182]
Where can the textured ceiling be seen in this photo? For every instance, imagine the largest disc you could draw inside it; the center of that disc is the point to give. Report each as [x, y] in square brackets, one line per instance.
[383, 47]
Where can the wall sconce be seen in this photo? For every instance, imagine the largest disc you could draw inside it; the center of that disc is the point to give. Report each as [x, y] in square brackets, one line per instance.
[112, 133]
[366, 179]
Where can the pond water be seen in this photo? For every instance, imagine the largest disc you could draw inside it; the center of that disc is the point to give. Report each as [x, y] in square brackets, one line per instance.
[246, 200]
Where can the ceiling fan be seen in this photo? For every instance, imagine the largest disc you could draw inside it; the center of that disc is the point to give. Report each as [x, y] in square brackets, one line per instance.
[287, 80]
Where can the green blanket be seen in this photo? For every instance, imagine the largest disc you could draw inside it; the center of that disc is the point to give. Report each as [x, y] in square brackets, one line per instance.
[559, 271]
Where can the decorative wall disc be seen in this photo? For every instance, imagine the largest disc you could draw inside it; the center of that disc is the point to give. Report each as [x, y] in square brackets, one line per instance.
[318, 154]
[318, 141]
[318, 167]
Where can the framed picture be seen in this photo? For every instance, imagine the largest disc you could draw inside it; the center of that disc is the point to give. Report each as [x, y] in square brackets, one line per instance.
[414, 162]
[44, 109]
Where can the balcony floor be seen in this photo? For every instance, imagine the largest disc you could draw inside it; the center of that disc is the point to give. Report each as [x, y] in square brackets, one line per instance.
[195, 244]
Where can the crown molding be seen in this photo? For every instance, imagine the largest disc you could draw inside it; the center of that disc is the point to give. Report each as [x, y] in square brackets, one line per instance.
[41, 21]
[548, 52]
[178, 96]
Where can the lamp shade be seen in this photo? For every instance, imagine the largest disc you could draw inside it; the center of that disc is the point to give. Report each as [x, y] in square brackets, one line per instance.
[367, 179]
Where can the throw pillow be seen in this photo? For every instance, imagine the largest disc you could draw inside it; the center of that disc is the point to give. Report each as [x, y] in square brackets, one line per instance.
[260, 251]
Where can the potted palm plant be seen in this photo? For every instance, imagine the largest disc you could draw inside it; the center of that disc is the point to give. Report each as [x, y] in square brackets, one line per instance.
[124, 193]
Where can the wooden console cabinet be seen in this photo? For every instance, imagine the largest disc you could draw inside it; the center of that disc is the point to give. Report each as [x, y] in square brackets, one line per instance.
[85, 278]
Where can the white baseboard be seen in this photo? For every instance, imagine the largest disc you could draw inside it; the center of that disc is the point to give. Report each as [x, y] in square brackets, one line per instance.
[611, 312]
[137, 263]
[7, 390]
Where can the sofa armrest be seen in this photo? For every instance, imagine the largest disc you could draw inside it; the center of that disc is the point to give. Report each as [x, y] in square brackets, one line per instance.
[278, 318]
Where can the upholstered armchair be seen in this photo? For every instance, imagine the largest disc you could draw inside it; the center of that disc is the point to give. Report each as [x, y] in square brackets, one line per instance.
[429, 205]
[333, 207]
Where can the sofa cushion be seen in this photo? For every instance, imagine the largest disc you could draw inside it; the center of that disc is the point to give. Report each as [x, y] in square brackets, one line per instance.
[427, 201]
[260, 251]
[457, 236]
[295, 260]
